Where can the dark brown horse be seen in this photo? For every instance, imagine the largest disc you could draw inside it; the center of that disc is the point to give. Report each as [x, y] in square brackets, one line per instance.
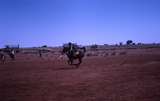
[77, 53]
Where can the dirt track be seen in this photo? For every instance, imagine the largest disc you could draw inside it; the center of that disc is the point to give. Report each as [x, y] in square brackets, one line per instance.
[130, 77]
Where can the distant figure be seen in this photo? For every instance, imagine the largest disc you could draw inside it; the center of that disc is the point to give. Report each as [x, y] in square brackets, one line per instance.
[40, 53]
[2, 57]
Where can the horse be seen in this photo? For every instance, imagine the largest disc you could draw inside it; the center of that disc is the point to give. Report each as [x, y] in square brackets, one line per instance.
[10, 52]
[6, 51]
[74, 54]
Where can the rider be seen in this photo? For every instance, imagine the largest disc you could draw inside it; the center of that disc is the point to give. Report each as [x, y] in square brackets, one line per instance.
[72, 48]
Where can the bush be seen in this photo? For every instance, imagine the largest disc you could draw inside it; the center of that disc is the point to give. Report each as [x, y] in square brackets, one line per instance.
[129, 42]
[44, 46]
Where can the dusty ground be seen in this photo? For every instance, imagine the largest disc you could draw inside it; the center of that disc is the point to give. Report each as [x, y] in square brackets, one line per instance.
[134, 76]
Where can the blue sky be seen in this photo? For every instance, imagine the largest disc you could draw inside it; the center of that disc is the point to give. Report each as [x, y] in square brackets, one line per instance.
[54, 22]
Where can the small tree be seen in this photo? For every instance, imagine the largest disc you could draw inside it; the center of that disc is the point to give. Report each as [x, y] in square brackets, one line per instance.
[44, 46]
[129, 42]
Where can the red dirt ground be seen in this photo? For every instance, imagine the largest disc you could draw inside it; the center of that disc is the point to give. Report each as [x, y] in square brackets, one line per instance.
[130, 77]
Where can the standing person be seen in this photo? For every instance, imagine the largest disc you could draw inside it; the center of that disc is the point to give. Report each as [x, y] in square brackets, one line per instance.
[40, 52]
[2, 57]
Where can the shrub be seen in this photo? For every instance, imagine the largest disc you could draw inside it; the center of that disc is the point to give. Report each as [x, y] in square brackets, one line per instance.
[129, 42]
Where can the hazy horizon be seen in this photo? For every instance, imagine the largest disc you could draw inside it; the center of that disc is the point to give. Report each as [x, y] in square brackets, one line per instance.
[32, 23]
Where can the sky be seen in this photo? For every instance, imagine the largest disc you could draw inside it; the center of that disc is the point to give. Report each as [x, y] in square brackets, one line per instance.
[54, 22]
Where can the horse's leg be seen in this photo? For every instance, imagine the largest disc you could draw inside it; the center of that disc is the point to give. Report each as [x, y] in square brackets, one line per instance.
[13, 56]
[70, 61]
[80, 61]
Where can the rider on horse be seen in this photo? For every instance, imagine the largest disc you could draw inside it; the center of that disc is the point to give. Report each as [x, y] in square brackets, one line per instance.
[73, 52]
[72, 48]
